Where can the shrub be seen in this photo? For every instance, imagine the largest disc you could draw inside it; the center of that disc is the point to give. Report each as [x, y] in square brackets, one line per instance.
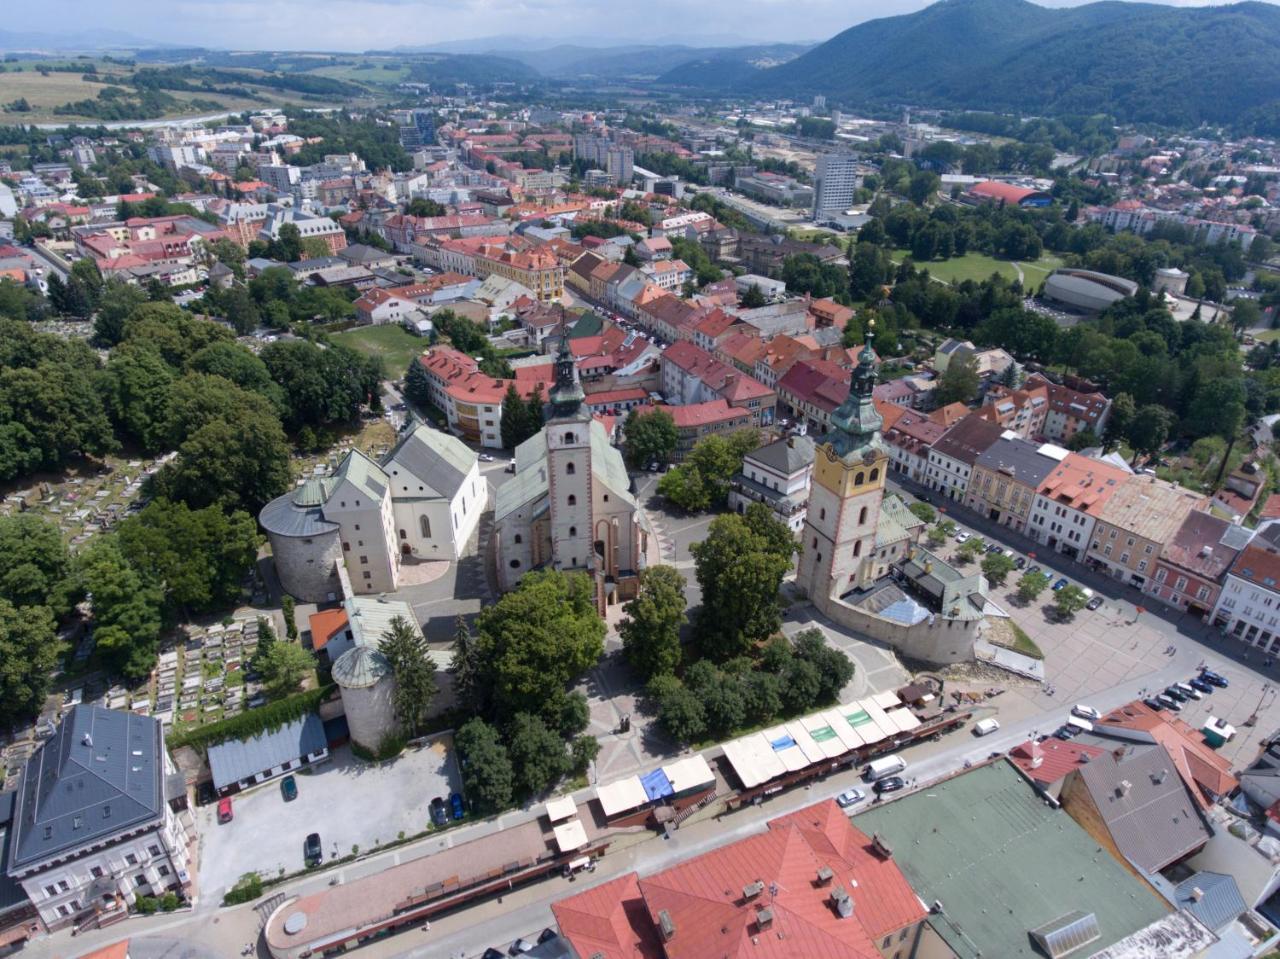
[247, 888]
[249, 724]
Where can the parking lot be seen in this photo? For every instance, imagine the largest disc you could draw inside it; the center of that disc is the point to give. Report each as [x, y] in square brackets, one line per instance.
[349, 802]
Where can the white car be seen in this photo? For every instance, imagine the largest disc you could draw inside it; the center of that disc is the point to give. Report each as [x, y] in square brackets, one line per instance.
[961, 536]
[1085, 712]
[485, 458]
[850, 797]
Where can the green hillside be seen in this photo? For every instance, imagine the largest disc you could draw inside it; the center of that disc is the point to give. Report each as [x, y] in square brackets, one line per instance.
[1136, 61]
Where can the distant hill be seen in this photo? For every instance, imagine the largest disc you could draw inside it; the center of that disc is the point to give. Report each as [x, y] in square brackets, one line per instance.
[568, 61]
[1136, 61]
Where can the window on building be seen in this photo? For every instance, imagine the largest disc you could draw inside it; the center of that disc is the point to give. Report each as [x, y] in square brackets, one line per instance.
[154, 850]
[514, 564]
[862, 516]
[570, 438]
[95, 872]
[517, 539]
[857, 548]
[425, 525]
[822, 513]
[364, 560]
[573, 500]
[131, 859]
[402, 535]
[573, 531]
[875, 475]
[859, 478]
[570, 468]
[163, 870]
[367, 575]
[346, 547]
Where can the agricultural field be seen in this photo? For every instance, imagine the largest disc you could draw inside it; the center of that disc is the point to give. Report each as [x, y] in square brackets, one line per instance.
[374, 71]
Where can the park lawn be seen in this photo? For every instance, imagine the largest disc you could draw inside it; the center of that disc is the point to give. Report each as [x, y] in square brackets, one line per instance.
[395, 345]
[971, 266]
[817, 235]
[1037, 272]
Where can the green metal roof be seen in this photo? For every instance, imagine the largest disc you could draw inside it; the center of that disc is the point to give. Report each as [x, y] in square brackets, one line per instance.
[1003, 862]
[364, 474]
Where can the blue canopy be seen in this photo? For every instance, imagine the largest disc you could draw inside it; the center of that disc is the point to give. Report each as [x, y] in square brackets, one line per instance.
[656, 784]
[782, 742]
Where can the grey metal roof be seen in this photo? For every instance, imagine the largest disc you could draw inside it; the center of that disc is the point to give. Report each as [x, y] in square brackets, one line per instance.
[785, 456]
[100, 774]
[530, 481]
[233, 760]
[967, 439]
[1153, 819]
[360, 667]
[1219, 902]
[284, 517]
[438, 461]
[1018, 459]
[1067, 933]
[363, 473]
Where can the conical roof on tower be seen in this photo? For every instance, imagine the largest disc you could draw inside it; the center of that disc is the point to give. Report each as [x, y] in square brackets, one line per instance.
[567, 394]
[856, 424]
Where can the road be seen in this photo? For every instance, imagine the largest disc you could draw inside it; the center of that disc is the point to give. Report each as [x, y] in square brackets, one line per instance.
[52, 263]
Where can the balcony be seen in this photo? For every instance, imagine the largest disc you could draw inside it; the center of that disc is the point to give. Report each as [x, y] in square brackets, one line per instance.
[779, 502]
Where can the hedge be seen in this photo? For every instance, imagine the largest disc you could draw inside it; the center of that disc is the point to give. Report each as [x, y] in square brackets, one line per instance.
[248, 724]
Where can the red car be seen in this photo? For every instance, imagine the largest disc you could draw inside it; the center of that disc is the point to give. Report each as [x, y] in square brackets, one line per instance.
[224, 810]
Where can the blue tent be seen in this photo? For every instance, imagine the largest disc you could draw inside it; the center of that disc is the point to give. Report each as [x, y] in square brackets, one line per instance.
[656, 784]
[782, 742]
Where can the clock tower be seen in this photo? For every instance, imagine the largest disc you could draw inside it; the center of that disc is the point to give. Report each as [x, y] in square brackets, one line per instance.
[849, 472]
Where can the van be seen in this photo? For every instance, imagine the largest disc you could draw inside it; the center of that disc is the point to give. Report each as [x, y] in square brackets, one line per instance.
[984, 727]
[884, 766]
[1081, 724]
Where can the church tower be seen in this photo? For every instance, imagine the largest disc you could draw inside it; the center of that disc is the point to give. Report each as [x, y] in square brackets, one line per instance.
[849, 473]
[568, 433]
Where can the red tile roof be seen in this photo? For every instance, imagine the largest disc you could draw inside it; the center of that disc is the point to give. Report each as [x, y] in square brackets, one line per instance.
[611, 920]
[1057, 758]
[1258, 566]
[325, 625]
[730, 383]
[699, 414]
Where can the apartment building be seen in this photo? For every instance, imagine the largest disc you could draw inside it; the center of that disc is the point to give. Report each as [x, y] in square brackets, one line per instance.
[910, 439]
[1248, 606]
[1007, 476]
[1069, 501]
[951, 457]
[1135, 524]
[1191, 567]
[691, 375]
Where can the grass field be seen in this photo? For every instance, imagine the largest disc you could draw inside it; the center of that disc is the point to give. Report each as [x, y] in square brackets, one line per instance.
[979, 266]
[395, 345]
[818, 235]
[384, 72]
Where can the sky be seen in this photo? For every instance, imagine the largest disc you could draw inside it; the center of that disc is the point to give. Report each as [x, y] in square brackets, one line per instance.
[383, 24]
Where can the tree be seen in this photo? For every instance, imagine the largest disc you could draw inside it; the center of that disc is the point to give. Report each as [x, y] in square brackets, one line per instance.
[935, 536]
[924, 184]
[515, 425]
[233, 362]
[421, 206]
[1149, 429]
[996, 567]
[535, 406]
[487, 774]
[322, 386]
[198, 558]
[230, 254]
[776, 535]
[35, 566]
[266, 639]
[835, 669]
[684, 486]
[1217, 408]
[135, 390]
[740, 578]
[971, 549]
[284, 667]
[117, 302]
[923, 511]
[538, 756]
[415, 674]
[801, 686]
[752, 297]
[651, 630]
[1031, 585]
[126, 609]
[702, 480]
[960, 382]
[869, 267]
[466, 667]
[534, 640]
[28, 654]
[650, 437]
[679, 710]
[1120, 419]
[582, 752]
[1069, 600]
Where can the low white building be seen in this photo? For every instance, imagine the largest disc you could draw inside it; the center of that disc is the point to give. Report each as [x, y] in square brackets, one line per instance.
[777, 475]
[949, 462]
[92, 825]
[1249, 604]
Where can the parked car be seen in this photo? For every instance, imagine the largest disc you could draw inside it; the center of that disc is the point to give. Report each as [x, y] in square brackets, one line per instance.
[1093, 603]
[1152, 703]
[492, 953]
[1060, 584]
[225, 813]
[455, 804]
[1066, 732]
[850, 797]
[289, 789]
[547, 935]
[1173, 692]
[1188, 691]
[438, 814]
[890, 784]
[312, 852]
[1169, 703]
[520, 947]
[1214, 679]
[485, 458]
[961, 536]
[994, 548]
[1200, 684]
[1020, 562]
[1086, 712]
[1034, 569]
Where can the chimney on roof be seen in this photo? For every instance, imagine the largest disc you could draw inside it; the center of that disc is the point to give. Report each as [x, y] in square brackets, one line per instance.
[1197, 893]
[825, 875]
[1160, 777]
[751, 890]
[881, 846]
[87, 740]
[666, 926]
[1124, 787]
[1037, 755]
[764, 918]
[842, 902]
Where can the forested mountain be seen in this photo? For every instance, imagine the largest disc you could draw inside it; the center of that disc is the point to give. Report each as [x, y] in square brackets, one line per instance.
[1136, 61]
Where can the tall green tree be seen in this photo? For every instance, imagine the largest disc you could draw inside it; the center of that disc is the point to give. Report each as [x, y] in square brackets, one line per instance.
[1149, 429]
[651, 630]
[35, 566]
[284, 666]
[414, 672]
[650, 437]
[466, 667]
[135, 388]
[752, 297]
[740, 577]
[538, 755]
[28, 655]
[960, 382]
[515, 425]
[117, 302]
[125, 607]
[538, 638]
[487, 774]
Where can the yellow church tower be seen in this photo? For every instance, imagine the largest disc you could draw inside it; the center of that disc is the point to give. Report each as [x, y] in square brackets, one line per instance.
[849, 472]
